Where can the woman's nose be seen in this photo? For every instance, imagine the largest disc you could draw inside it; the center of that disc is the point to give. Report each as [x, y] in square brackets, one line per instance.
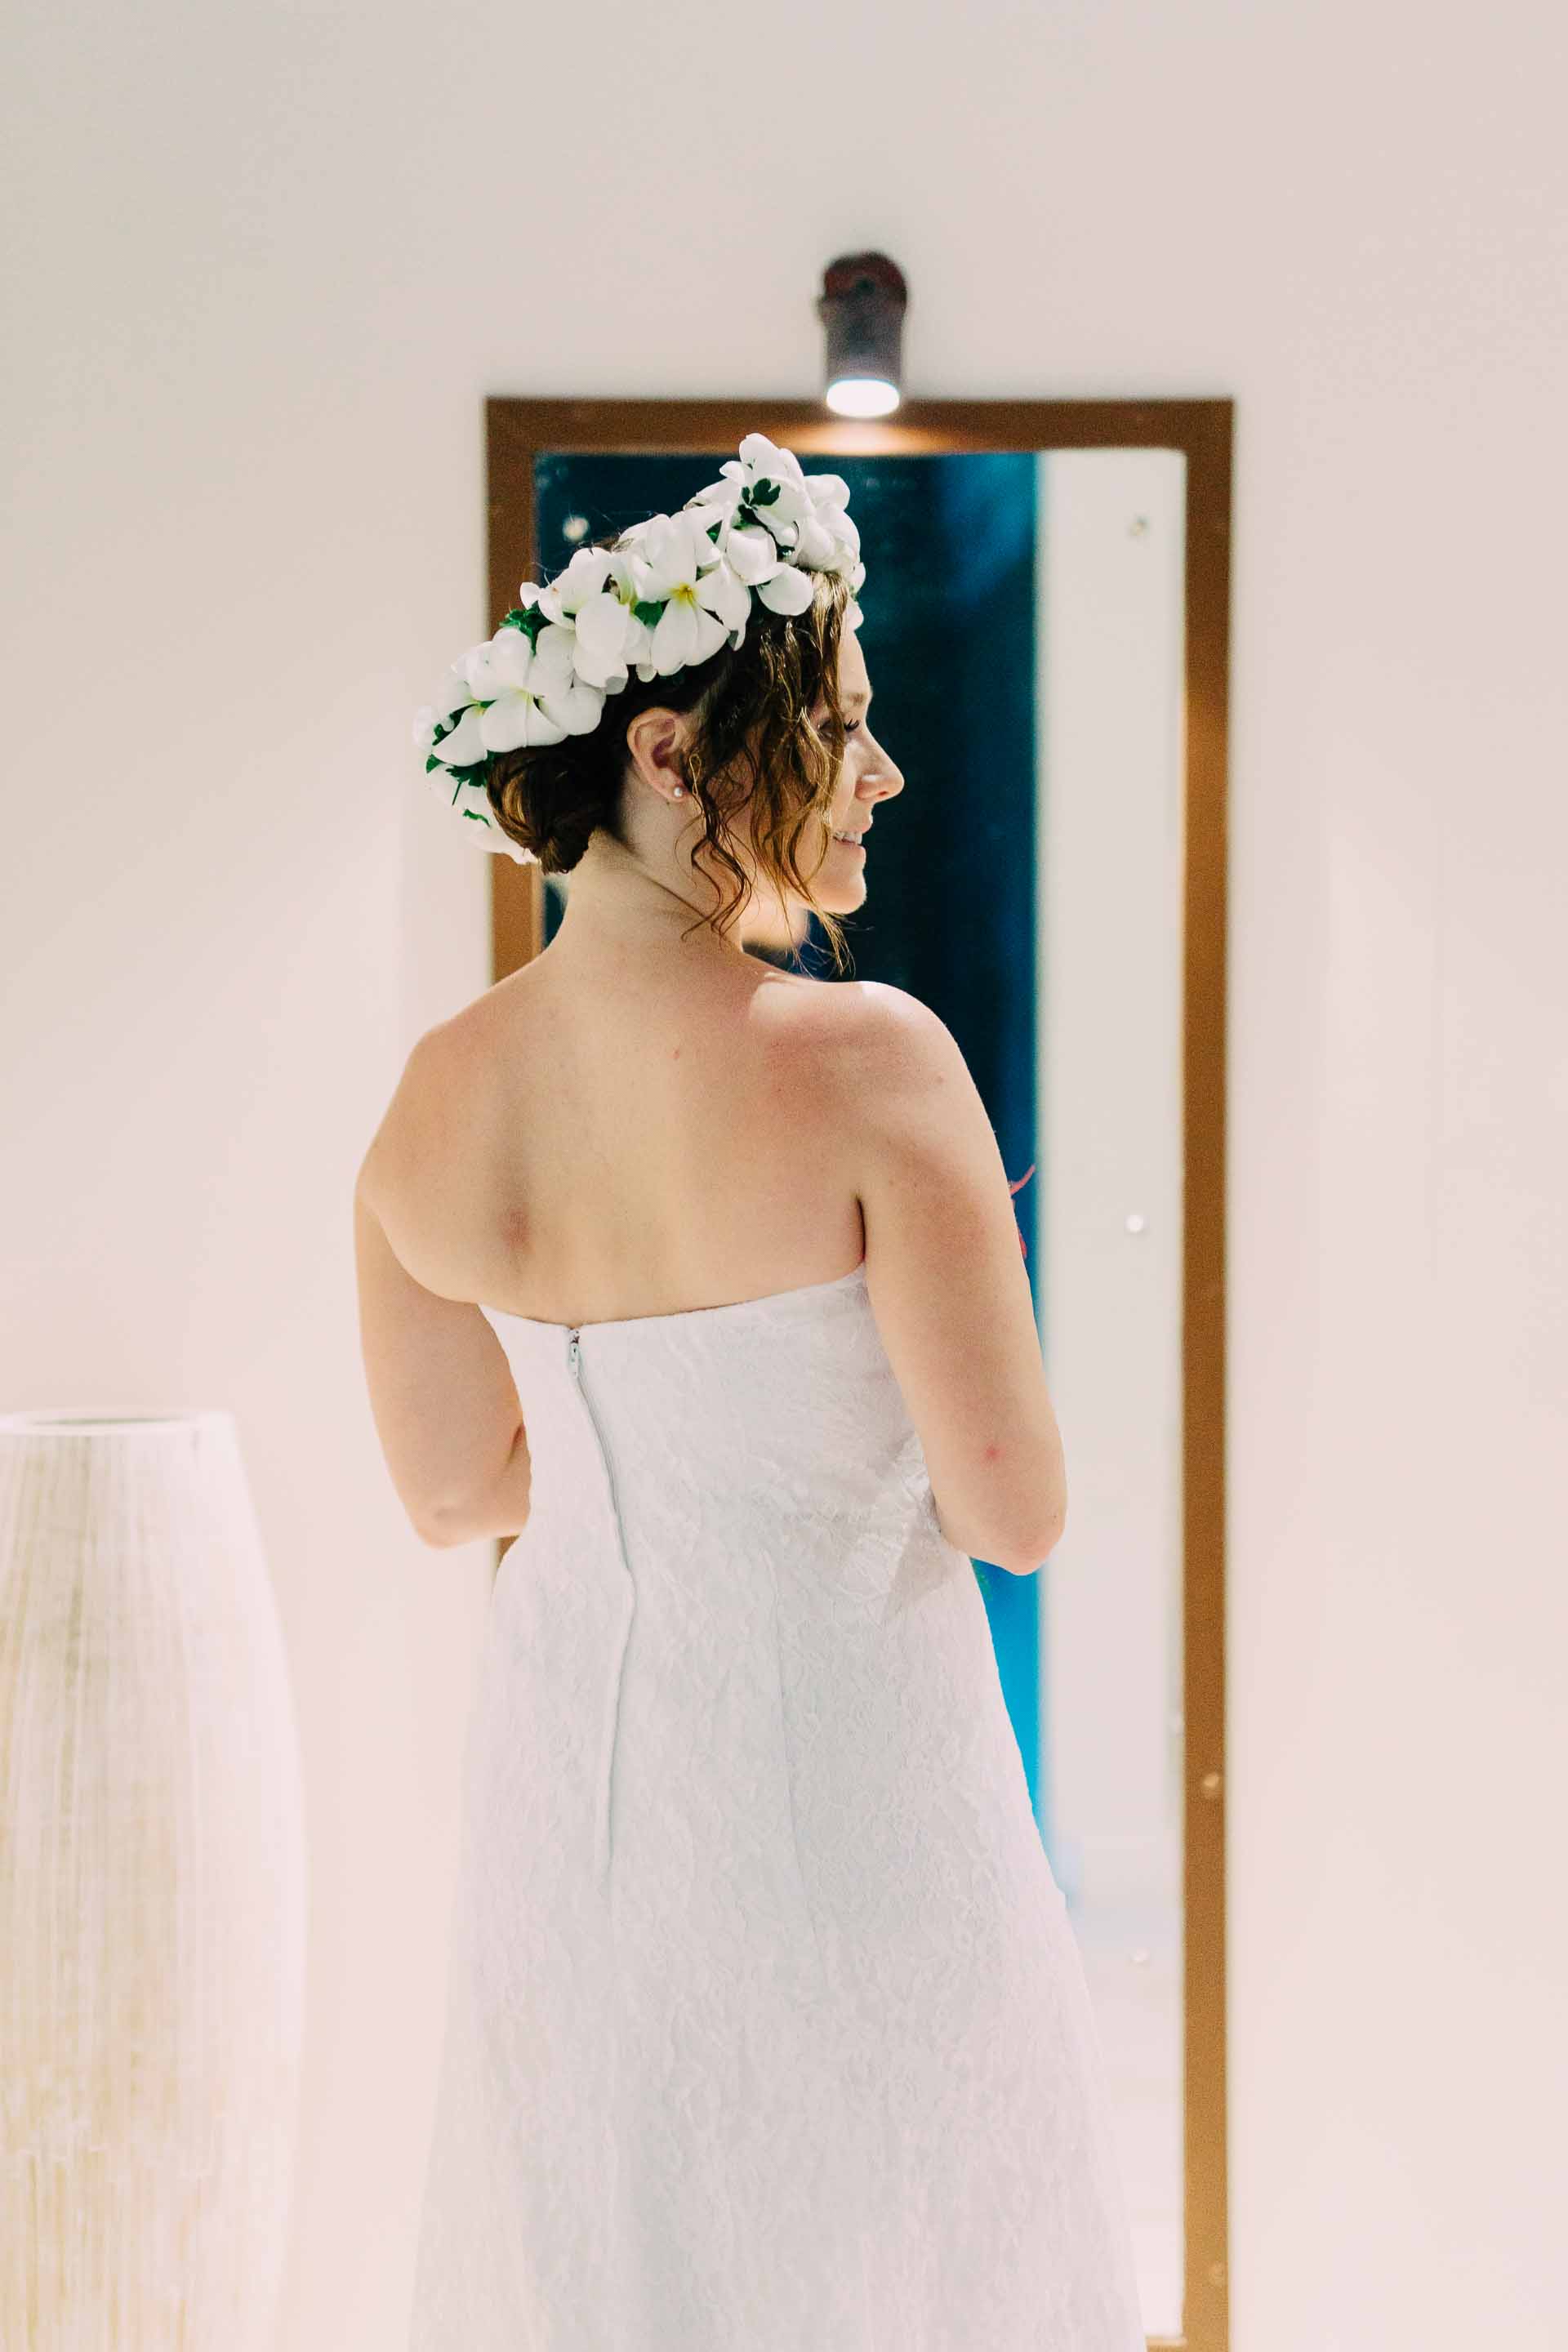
[885, 779]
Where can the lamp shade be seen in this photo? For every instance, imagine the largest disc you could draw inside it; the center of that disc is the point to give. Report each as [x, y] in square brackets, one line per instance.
[152, 1891]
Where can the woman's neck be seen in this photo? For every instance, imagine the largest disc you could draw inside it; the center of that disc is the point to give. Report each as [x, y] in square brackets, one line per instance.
[613, 894]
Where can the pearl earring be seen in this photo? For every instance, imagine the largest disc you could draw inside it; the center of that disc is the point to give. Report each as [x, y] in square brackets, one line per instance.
[678, 792]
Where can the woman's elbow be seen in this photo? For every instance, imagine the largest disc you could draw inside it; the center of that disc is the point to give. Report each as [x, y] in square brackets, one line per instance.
[443, 1528]
[437, 1533]
[1025, 1559]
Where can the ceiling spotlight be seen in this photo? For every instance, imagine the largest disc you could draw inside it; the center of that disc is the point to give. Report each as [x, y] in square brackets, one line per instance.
[862, 304]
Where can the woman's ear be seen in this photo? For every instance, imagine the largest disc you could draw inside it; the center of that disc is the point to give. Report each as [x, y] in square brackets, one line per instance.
[655, 740]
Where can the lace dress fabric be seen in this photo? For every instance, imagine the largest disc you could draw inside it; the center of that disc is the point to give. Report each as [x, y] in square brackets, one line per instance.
[767, 2029]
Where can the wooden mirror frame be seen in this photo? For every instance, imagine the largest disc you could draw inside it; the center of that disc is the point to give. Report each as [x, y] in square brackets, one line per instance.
[516, 432]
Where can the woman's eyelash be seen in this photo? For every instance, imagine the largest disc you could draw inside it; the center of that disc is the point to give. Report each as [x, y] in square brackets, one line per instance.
[851, 725]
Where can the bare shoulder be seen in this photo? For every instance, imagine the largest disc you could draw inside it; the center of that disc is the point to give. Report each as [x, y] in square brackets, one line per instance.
[898, 1030]
[887, 1048]
[466, 1043]
[869, 1017]
[882, 1075]
[429, 1088]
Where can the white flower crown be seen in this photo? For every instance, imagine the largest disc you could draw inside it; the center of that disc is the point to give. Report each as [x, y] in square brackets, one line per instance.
[671, 591]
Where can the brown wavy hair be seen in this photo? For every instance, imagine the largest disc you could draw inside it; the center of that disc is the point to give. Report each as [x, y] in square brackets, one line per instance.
[754, 746]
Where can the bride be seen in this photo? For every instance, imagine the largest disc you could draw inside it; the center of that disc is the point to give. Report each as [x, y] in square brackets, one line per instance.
[766, 2028]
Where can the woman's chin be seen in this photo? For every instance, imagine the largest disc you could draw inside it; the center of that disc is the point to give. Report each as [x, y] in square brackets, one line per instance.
[839, 881]
[837, 898]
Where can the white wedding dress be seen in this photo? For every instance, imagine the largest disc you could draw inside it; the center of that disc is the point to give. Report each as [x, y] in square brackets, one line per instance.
[767, 2029]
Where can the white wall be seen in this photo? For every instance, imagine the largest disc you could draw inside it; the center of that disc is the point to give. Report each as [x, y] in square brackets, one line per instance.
[267, 262]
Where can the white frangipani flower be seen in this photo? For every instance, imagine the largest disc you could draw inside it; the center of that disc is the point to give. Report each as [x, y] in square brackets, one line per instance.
[804, 518]
[590, 597]
[752, 555]
[818, 547]
[465, 747]
[466, 798]
[570, 590]
[830, 491]
[530, 693]
[703, 600]
[451, 695]
[830, 541]
[788, 591]
[769, 482]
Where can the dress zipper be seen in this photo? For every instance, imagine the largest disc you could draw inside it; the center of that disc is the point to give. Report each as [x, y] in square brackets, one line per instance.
[612, 1710]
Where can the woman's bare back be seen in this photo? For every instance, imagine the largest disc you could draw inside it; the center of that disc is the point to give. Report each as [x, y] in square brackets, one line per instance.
[629, 1130]
[623, 1128]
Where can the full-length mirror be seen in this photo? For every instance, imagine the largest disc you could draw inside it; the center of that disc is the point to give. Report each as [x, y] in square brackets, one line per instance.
[1049, 670]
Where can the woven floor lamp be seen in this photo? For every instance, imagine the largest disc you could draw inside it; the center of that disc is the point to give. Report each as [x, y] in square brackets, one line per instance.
[152, 1892]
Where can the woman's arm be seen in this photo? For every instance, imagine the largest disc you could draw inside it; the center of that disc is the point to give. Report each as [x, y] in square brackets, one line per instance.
[441, 1390]
[947, 1280]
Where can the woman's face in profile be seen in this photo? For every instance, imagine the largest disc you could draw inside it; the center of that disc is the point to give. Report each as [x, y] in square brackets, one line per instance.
[869, 777]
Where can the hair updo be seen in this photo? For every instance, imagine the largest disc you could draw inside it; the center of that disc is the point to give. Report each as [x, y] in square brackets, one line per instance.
[754, 744]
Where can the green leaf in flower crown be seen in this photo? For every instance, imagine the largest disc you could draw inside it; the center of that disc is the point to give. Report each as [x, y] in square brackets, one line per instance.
[651, 613]
[473, 774]
[530, 619]
[764, 494]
